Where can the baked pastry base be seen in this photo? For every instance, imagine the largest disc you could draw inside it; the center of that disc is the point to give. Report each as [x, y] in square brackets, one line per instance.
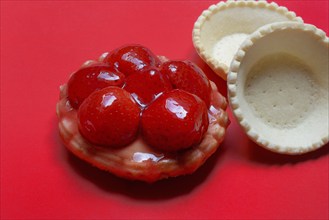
[220, 30]
[278, 87]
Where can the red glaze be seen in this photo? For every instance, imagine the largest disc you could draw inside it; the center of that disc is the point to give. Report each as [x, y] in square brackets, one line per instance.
[187, 76]
[147, 86]
[175, 121]
[132, 59]
[109, 117]
[89, 79]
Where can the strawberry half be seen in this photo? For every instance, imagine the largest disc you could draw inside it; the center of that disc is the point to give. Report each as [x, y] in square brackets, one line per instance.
[109, 117]
[89, 79]
[132, 59]
[147, 86]
[176, 120]
[187, 76]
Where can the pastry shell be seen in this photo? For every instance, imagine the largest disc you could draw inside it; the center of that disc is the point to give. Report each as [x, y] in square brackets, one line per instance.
[278, 87]
[219, 30]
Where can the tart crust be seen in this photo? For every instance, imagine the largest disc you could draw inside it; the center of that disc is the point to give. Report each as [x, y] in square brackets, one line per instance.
[138, 161]
[220, 30]
[278, 87]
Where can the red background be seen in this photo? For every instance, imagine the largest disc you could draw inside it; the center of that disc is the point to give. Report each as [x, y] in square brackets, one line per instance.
[42, 42]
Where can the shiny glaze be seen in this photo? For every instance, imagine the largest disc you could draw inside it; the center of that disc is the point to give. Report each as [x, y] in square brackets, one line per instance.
[140, 157]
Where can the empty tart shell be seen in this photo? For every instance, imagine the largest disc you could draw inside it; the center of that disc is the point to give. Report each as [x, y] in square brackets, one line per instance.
[278, 87]
[220, 30]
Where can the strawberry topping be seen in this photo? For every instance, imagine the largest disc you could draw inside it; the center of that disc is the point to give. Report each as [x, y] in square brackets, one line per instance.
[132, 59]
[187, 76]
[91, 78]
[147, 86]
[109, 117]
[130, 86]
[175, 121]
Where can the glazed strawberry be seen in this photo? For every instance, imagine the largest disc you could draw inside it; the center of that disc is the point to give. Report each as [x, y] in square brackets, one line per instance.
[88, 79]
[189, 77]
[109, 117]
[147, 86]
[132, 59]
[175, 121]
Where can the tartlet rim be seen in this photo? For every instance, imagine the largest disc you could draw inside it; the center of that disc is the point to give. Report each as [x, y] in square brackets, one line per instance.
[233, 99]
[219, 68]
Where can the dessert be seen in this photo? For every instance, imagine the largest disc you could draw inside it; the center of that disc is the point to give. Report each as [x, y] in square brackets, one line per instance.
[278, 87]
[140, 116]
[220, 30]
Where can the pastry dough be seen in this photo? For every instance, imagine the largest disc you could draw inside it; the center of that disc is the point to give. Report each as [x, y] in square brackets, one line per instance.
[220, 30]
[278, 87]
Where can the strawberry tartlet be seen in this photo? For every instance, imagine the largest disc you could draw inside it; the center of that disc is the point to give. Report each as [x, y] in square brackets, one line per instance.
[141, 116]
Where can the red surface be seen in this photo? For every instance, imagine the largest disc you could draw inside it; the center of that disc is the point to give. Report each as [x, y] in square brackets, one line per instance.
[42, 42]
